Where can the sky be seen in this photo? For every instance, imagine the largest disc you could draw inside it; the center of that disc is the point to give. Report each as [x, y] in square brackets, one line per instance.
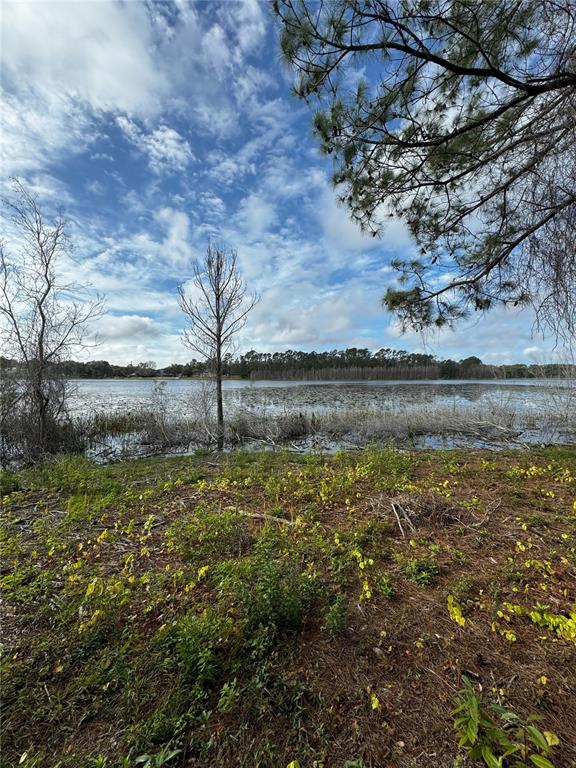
[159, 125]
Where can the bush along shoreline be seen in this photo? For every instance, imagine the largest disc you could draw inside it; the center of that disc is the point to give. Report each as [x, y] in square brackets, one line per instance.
[383, 608]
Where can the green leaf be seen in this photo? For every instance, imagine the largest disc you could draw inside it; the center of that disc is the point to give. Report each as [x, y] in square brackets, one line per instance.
[511, 748]
[541, 762]
[472, 731]
[538, 738]
[490, 758]
[474, 713]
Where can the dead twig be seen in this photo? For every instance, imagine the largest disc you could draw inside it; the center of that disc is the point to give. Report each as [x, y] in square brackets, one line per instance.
[262, 516]
[398, 519]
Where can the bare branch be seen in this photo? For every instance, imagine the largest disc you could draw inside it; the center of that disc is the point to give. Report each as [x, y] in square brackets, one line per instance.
[215, 314]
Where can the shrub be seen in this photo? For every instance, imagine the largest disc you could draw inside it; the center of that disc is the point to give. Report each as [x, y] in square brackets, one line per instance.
[193, 643]
[498, 737]
[336, 616]
[384, 585]
[206, 536]
[268, 592]
[8, 483]
[421, 570]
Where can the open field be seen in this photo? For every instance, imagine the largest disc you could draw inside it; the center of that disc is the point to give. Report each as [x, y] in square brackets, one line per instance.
[272, 609]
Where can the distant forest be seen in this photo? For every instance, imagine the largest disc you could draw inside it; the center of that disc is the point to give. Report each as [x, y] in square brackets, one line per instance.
[353, 363]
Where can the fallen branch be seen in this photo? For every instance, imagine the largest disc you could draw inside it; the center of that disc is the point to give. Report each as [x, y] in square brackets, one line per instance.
[262, 516]
[398, 519]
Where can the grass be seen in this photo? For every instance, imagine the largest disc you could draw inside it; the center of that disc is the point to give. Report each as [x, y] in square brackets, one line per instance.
[257, 609]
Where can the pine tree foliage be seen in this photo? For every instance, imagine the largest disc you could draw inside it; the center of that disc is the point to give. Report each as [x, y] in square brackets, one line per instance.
[460, 117]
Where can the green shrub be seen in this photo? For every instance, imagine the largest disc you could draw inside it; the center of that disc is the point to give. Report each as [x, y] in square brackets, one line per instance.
[195, 644]
[384, 585]
[421, 570]
[336, 616]
[207, 536]
[498, 737]
[9, 483]
[268, 592]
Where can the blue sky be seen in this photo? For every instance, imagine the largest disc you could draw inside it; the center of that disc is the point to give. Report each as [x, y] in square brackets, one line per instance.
[159, 125]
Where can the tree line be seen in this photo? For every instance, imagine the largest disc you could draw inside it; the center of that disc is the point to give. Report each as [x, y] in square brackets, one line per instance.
[352, 363]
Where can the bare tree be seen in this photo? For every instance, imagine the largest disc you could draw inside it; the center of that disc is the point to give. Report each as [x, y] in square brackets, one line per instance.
[42, 320]
[216, 305]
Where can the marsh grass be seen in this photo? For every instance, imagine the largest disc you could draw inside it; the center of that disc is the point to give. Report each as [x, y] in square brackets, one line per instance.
[156, 428]
[494, 423]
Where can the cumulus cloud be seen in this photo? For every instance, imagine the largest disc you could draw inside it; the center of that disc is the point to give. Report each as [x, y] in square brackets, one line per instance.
[134, 338]
[128, 327]
[532, 351]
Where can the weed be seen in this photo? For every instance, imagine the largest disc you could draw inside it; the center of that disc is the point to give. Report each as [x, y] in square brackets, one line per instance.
[159, 759]
[455, 611]
[562, 626]
[9, 482]
[207, 535]
[229, 695]
[384, 585]
[498, 737]
[266, 591]
[194, 643]
[336, 616]
[421, 570]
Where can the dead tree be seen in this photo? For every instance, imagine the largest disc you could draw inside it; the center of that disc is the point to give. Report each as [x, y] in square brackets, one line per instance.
[216, 305]
[42, 320]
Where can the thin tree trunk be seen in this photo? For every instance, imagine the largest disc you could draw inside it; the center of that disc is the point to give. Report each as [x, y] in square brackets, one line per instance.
[218, 305]
[219, 405]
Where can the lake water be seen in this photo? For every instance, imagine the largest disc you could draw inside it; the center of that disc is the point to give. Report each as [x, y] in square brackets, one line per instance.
[352, 413]
[530, 396]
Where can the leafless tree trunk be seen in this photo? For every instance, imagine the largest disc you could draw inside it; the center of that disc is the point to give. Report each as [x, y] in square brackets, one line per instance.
[216, 305]
[41, 318]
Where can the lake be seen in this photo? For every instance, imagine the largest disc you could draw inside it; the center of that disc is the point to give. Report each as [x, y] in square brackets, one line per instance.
[542, 409]
[105, 395]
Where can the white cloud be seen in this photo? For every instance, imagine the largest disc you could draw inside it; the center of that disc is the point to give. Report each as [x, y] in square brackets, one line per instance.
[135, 338]
[34, 130]
[176, 246]
[214, 49]
[213, 205]
[531, 351]
[312, 317]
[246, 20]
[501, 336]
[64, 65]
[256, 215]
[342, 232]
[128, 328]
[95, 52]
[167, 150]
